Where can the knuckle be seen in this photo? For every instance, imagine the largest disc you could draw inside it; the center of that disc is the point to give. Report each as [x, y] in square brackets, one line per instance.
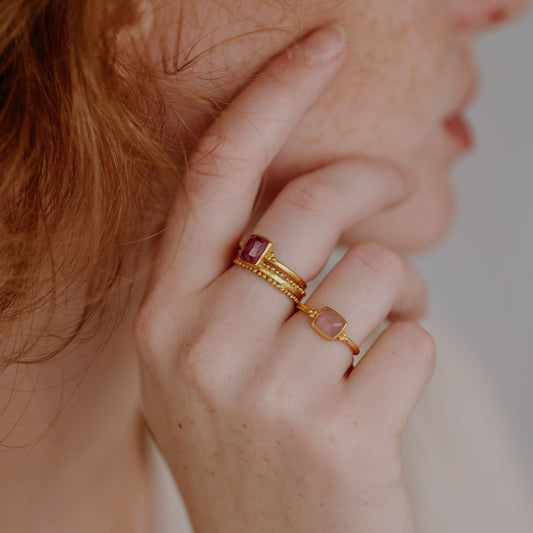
[215, 156]
[195, 373]
[210, 379]
[206, 151]
[200, 378]
[154, 328]
[314, 196]
[418, 342]
[185, 352]
[378, 258]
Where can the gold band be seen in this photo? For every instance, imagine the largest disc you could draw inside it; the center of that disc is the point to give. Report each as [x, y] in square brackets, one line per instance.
[329, 324]
[275, 280]
[271, 259]
[256, 255]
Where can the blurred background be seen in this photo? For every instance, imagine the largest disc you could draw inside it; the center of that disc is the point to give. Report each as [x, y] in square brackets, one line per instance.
[480, 276]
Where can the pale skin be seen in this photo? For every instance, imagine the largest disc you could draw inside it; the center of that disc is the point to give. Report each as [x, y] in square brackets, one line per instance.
[250, 407]
[256, 396]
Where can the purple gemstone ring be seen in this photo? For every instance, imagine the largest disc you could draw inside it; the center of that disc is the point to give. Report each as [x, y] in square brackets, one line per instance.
[256, 255]
[329, 325]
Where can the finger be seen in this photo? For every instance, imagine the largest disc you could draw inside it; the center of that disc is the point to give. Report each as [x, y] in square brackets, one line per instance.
[385, 386]
[306, 219]
[226, 167]
[369, 283]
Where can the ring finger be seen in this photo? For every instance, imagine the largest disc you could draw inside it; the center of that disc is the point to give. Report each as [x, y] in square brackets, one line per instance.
[368, 284]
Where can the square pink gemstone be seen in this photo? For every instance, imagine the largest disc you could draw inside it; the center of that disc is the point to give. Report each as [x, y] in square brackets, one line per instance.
[253, 249]
[329, 323]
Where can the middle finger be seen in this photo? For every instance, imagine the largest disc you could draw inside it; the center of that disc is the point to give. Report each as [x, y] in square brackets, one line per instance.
[307, 217]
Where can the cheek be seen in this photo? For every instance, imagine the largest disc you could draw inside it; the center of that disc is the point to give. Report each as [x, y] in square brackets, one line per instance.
[388, 97]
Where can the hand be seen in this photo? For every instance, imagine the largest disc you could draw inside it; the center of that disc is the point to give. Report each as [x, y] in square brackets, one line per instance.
[261, 424]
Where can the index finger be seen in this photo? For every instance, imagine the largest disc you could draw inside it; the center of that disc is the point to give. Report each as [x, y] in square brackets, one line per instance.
[226, 167]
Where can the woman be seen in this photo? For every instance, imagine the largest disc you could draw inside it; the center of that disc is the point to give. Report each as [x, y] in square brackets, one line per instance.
[345, 117]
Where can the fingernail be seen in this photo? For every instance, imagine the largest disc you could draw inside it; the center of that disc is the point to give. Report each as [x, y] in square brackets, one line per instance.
[324, 44]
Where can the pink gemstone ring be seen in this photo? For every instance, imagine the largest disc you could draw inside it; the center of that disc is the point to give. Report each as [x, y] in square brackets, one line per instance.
[329, 325]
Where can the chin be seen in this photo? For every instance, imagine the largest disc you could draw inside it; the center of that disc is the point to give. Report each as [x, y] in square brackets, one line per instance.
[419, 224]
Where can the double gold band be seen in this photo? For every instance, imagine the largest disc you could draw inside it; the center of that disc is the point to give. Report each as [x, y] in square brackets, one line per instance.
[256, 255]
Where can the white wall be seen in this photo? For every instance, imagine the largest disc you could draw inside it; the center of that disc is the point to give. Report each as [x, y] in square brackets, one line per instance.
[481, 276]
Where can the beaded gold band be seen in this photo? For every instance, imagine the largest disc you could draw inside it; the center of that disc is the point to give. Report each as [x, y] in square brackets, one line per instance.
[270, 259]
[273, 277]
[256, 255]
[329, 325]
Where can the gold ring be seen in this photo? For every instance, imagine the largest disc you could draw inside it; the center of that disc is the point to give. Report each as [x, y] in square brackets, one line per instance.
[329, 325]
[256, 255]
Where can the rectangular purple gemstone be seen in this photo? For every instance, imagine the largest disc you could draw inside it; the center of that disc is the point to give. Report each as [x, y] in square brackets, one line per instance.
[253, 249]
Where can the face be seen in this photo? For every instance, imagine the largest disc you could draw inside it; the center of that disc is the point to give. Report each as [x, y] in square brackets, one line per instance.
[399, 95]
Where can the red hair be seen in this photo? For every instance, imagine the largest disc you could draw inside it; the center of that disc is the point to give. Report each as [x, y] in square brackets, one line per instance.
[77, 162]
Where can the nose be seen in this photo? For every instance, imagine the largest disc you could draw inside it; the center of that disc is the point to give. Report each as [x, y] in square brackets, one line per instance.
[476, 15]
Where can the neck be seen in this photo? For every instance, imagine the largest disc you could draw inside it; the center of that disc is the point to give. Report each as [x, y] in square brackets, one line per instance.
[108, 495]
[72, 455]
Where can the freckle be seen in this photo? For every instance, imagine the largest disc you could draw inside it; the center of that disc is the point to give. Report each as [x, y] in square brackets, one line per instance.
[301, 495]
[212, 474]
[366, 503]
[497, 15]
[394, 353]
[260, 475]
[355, 423]
[180, 425]
[332, 438]
[185, 468]
[278, 443]
[321, 504]
[244, 426]
[215, 454]
[267, 460]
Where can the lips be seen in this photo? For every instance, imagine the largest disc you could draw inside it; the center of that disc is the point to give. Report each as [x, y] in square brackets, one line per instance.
[455, 124]
[460, 129]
